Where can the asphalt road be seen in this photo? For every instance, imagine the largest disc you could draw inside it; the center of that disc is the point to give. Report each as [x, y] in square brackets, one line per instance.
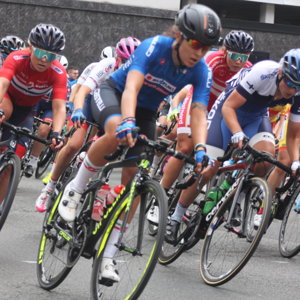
[266, 276]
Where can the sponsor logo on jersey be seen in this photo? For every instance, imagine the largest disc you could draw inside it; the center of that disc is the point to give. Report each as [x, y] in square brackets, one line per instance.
[152, 46]
[57, 69]
[270, 75]
[19, 57]
[162, 61]
[159, 81]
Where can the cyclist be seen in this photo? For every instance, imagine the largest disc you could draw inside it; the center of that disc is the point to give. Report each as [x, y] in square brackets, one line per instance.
[160, 66]
[44, 111]
[225, 63]
[241, 111]
[107, 52]
[9, 44]
[29, 74]
[83, 106]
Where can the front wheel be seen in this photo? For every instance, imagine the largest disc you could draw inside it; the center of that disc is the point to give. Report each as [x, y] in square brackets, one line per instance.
[137, 252]
[226, 250]
[10, 170]
[289, 235]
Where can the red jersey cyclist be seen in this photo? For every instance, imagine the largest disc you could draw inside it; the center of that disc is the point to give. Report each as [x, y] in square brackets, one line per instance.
[28, 75]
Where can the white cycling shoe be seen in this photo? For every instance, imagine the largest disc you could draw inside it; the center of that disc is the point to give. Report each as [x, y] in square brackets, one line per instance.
[108, 270]
[68, 204]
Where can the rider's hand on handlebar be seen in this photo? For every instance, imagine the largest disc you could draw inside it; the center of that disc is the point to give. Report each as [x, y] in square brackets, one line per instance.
[200, 154]
[78, 117]
[57, 140]
[295, 166]
[173, 114]
[124, 132]
[237, 139]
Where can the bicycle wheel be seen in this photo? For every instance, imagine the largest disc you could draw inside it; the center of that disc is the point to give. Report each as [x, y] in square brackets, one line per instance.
[10, 170]
[289, 237]
[225, 249]
[137, 255]
[60, 247]
[46, 157]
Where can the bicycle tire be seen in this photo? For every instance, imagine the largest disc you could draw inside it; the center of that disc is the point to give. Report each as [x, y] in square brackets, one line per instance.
[216, 266]
[14, 163]
[45, 158]
[49, 250]
[289, 238]
[135, 269]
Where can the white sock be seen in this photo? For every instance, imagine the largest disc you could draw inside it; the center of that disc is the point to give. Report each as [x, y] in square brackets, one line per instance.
[33, 161]
[179, 212]
[110, 249]
[51, 185]
[86, 171]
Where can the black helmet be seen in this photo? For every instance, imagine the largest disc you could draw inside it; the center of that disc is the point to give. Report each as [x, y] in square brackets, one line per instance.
[199, 22]
[239, 41]
[11, 43]
[291, 65]
[47, 37]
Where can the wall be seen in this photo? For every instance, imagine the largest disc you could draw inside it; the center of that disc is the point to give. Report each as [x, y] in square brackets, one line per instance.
[90, 26]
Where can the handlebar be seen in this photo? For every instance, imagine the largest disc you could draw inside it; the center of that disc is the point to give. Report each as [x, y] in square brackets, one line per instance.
[23, 131]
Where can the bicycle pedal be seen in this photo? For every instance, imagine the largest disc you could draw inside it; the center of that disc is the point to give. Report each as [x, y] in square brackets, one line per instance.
[106, 282]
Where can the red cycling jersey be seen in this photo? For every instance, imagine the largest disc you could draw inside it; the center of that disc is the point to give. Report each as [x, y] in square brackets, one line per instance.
[28, 86]
[221, 73]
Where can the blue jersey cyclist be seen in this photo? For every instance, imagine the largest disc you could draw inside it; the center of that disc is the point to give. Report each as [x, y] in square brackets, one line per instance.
[160, 66]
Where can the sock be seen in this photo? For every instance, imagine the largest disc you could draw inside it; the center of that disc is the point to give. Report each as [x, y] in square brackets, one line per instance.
[51, 185]
[179, 212]
[110, 249]
[86, 171]
[33, 161]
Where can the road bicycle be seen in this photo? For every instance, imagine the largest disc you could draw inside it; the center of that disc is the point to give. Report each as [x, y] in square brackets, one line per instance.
[63, 243]
[230, 242]
[10, 166]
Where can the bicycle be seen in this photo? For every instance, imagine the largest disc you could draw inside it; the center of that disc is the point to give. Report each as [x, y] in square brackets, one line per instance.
[62, 243]
[229, 242]
[10, 167]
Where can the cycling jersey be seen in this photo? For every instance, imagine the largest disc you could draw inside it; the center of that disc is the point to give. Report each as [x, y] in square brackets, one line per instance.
[28, 86]
[220, 74]
[258, 85]
[153, 58]
[86, 72]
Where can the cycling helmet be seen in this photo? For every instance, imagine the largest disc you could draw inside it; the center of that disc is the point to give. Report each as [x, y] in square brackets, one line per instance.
[126, 46]
[291, 65]
[63, 60]
[239, 41]
[11, 43]
[199, 22]
[47, 37]
[108, 52]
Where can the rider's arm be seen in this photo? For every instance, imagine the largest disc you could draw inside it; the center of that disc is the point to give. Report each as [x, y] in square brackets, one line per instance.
[232, 103]
[4, 84]
[198, 123]
[134, 82]
[59, 114]
[179, 97]
[80, 96]
[74, 91]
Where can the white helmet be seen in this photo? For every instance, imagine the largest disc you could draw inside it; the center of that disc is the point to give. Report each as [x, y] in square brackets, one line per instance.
[63, 60]
[108, 51]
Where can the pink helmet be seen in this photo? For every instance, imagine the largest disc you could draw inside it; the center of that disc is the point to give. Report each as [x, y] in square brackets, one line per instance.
[126, 46]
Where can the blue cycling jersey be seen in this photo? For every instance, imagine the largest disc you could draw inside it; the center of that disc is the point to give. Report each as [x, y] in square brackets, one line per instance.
[153, 58]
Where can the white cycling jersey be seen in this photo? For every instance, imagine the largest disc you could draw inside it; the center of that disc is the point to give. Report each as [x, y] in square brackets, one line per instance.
[95, 73]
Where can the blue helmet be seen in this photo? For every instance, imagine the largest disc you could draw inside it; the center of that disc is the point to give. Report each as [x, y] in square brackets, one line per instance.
[291, 65]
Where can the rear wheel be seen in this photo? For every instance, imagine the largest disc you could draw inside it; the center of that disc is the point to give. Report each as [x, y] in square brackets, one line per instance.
[226, 250]
[10, 170]
[289, 235]
[137, 255]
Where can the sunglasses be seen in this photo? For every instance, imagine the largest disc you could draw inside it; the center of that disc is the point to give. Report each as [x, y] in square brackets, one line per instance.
[40, 53]
[196, 45]
[290, 83]
[236, 56]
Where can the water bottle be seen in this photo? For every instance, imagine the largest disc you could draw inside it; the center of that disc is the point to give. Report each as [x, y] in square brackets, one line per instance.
[112, 195]
[99, 202]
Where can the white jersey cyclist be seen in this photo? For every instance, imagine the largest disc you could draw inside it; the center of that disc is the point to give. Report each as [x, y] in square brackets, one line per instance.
[258, 85]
